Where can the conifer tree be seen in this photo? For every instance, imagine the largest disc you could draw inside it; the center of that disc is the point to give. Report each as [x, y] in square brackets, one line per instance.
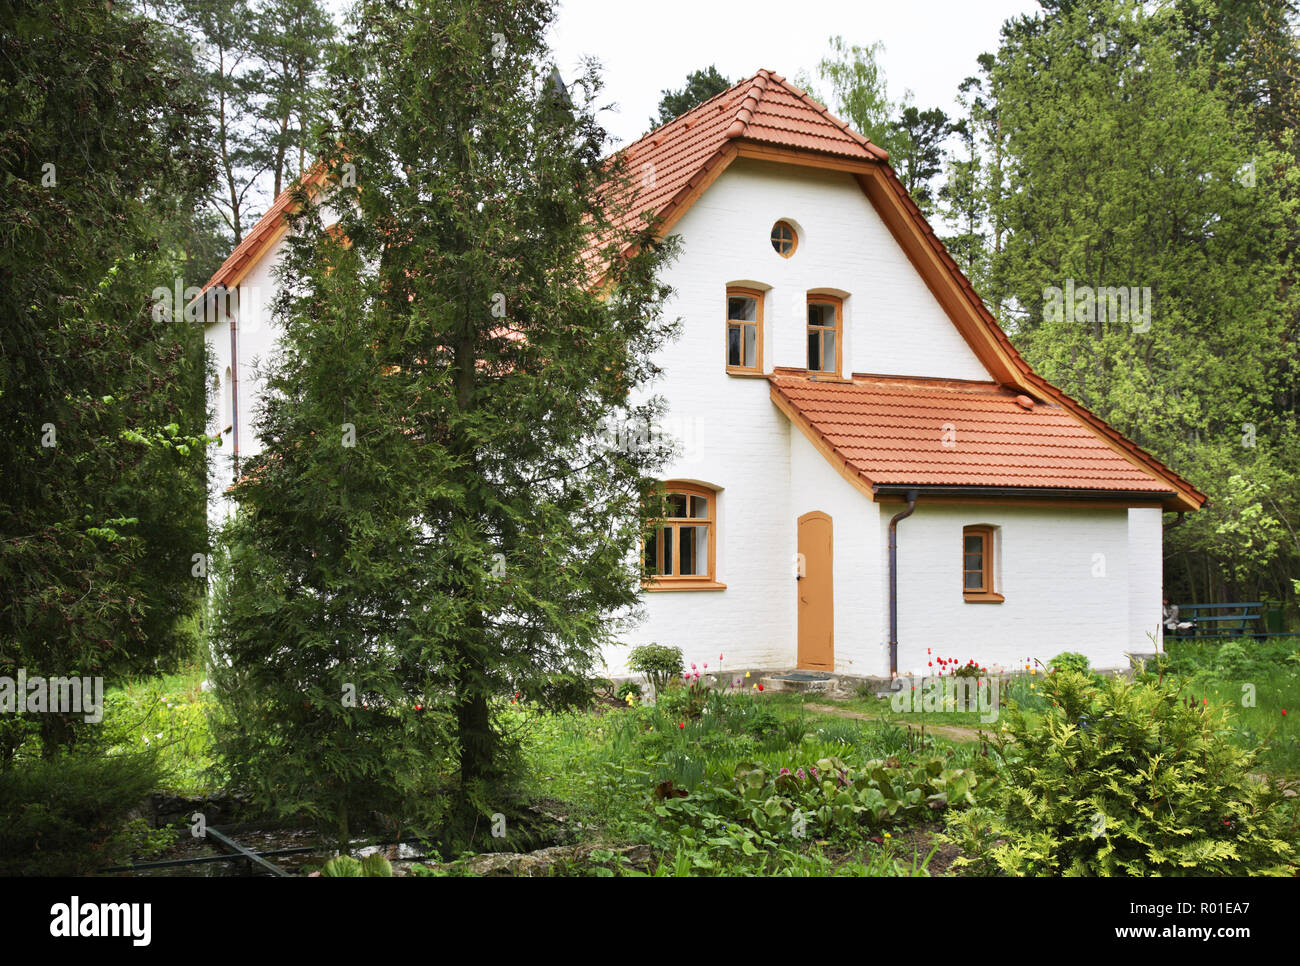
[101, 414]
[434, 520]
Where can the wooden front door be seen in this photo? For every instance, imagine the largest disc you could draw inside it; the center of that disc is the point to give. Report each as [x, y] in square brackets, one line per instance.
[816, 597]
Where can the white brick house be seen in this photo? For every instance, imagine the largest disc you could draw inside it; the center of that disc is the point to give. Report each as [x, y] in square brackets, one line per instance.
[836, 372]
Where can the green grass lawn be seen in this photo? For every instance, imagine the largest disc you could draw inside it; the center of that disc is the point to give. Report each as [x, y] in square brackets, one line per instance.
[1259, 685]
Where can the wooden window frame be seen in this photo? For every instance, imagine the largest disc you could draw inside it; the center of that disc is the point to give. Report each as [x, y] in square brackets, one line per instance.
[987, 593]
[707, 580]
[794, 238]
[814, 298]
[757, 296]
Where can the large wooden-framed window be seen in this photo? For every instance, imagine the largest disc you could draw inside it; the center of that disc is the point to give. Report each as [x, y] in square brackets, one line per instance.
[825, 335]
[680, 551]
[744, 330]
[978, 565]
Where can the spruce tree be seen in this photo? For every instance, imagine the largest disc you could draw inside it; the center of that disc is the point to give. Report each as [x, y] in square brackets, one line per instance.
[434, 519]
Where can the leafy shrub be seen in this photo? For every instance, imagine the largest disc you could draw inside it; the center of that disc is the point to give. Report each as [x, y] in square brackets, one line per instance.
[972, 831]
[1123, 778]
[373, 866]
[629, 688]
[660, 663]
[69, 816]
[1233, 660]
[1070, 661]
[760, 722]
[834, 799]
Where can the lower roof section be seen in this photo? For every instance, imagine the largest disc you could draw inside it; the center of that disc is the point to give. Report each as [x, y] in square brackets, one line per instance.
[958, 437]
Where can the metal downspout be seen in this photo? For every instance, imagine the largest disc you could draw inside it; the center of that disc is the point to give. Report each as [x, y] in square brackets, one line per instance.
[234, 390]
[893, 582]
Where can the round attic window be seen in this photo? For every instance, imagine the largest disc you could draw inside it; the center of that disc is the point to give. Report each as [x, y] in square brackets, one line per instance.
[784, 239]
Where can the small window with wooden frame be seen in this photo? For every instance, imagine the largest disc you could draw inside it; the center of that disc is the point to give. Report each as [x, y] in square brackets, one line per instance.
[744, 331]
[680, 550]
[978, 565]
[825, 338]
[784, 239]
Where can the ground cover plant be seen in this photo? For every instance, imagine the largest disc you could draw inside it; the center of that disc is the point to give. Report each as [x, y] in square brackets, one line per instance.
[1124, 777]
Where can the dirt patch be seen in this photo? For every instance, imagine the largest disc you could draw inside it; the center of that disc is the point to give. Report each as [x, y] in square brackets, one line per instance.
[919, 841]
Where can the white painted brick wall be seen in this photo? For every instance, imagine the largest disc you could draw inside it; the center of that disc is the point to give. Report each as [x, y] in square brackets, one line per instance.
[1146, 578]
[1046, 560]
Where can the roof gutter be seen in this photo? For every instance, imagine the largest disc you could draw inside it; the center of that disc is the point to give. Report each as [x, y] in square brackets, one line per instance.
[910, 496]
[1022, 491]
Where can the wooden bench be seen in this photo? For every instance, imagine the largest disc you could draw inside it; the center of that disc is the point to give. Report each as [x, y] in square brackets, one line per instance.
[1243, 620]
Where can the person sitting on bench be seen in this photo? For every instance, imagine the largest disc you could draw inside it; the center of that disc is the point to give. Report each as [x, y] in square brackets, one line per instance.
[1171, 621]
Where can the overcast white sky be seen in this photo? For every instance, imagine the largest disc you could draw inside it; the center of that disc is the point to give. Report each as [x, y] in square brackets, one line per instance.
[930, 45]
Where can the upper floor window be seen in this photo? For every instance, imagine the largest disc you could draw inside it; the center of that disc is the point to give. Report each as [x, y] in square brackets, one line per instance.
[680, 550]
[823, 333]
[744, 330]
[784, 239]
[977, 564]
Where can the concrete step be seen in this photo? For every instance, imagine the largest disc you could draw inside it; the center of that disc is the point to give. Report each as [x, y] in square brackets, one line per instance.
[806, 682]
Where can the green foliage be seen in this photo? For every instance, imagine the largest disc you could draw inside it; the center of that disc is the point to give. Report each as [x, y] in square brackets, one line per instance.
[69, 815]
[1070, 661]
[97, 529]
[859, 93]
[1105, 150]
[660, 663]
[913, 137]
[629, 688]
[1123, 778]
[1257, 681]
[1234, 660]
[700, 86]
[767, 813]
[168, 717]
[474, 542]
[373, 866]
[971, 831]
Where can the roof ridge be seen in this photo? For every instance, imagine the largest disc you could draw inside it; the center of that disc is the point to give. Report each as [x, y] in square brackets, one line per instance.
[757, 87]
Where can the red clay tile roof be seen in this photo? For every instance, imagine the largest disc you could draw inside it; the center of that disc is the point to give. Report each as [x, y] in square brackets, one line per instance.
[670, 161]
[268, 228]
[892, 431]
